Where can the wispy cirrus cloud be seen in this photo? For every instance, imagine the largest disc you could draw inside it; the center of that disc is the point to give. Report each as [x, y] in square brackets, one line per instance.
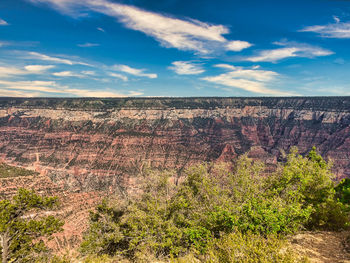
[54, 59]
[101, 93]
[32, 85]
[12, 71]
[67, 74]
[4, 43]
[18, 93]
[288, 50]
[42, 88]
[118, 76]
[88, 45]
[332, 30]
[9, 71]
[170, 32]
[134, 71]
[88, 72]
[186, 68]
[3, 22]
[251, 79]
[225, 66]
[38, 69]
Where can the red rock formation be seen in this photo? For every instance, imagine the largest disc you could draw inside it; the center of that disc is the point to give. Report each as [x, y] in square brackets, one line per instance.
[97, 146]
[88, 149]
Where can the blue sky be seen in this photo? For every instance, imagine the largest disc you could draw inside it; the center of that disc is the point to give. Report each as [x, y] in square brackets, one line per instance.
[110, 48]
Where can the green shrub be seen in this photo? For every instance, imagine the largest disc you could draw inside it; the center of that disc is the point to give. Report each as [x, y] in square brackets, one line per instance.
[308, 181]
[343, 191]
[198, 237]
[272, 215]
[214, 201]
[329, 215]
[102, 259]
[24, 226]
[249, 248]
[52, 259]
[7, 171]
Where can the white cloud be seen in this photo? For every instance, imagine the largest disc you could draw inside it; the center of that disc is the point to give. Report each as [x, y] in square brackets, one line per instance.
[18, 93]
[119, 76]
[252, 80]
[186, 68]
[100, 93]
[226, 66]
[336, 19]
[8, 71]
[3, 22]
[134, 71]
[38, 68]
[67, 74]
[100, 29]
[183, 34]
[88, 72]
[40, 88]
[4, 43]
[43, 57]
[335, 30]
[88, 45]
[237, 45]
[133, 93]
[290, 49]
[37, 86]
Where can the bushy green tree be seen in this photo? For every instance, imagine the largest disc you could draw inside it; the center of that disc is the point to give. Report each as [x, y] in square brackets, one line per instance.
[214, 201]
[23, 225]
[309, 181]
[133, 226]
[343, 191]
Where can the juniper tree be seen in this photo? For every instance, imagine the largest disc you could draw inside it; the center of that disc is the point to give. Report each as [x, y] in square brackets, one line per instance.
[23, 225]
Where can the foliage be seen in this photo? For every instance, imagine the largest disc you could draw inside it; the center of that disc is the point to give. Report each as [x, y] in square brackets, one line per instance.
[249, 248]
[308, 181]
[343, 191]
[23, 226]
[7, 171]
[214, 204]
[102, 259]
[49, 258]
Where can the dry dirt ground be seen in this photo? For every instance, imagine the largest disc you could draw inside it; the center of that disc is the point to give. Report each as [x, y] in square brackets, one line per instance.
[328, 247]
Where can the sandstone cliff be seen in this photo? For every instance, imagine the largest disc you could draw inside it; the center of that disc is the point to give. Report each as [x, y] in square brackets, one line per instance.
[99, 144]
[85, 148]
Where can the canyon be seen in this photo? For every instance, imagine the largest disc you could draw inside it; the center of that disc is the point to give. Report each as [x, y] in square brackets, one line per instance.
[85, 148]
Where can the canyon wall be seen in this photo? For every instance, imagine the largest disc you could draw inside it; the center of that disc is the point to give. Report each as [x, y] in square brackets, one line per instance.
[84, 149]
[100, 144]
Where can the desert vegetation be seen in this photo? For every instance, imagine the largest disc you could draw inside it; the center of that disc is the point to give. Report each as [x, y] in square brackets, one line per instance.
[214, 213]
[7, 171]
[24, 226]
[220, 213]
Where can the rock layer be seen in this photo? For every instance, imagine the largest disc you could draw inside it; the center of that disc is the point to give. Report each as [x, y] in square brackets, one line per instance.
[84, 149]
[100, 144]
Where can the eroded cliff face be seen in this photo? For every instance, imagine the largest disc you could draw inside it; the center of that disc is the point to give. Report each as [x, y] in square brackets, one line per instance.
[84, 149]
[101, 144]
